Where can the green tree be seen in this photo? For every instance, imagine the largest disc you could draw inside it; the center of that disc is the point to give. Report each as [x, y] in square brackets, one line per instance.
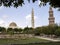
[57, 32]
[26, 30]
[16, 30]
[16, 3]
[54, 3]
[2, 29]
[10, 31]
[37, 31]
[20, 30]
[31, 30]
[52, 29]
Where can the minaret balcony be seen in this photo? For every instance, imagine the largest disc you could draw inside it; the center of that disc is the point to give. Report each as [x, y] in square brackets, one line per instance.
[51, 18]
[50, 11]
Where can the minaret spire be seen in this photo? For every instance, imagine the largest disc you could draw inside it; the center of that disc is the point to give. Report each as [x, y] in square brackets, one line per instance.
[32, 18]
[51, 17]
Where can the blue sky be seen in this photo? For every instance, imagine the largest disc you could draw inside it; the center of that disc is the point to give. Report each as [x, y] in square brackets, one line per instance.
[22, 15]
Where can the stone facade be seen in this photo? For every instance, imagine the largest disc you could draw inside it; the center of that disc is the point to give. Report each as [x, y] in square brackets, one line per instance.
[32, 18]
[51, 17]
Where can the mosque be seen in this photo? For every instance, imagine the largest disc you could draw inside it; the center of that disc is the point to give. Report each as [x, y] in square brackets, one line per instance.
[13, 25]
[51, 19]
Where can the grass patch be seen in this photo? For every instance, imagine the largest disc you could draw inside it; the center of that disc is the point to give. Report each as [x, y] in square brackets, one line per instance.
[21, 41]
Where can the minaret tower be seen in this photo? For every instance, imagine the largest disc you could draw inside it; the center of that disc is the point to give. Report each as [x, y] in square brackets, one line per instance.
[51, 17]
[32, 18]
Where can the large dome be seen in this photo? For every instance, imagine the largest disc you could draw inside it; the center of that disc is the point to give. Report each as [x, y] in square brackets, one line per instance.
[13, 25]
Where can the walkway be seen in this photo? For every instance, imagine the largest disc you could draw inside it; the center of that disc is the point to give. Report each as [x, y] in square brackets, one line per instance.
[55, 40]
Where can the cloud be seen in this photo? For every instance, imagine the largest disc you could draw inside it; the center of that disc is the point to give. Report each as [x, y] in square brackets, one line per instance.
[39, 2]
[1, 7]
[1, 22]
[28, 19]
[5, 16]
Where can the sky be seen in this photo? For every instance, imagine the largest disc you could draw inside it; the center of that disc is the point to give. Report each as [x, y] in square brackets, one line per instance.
[22, 15]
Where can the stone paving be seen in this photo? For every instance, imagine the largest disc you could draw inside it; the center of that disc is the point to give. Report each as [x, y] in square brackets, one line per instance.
[46, 38]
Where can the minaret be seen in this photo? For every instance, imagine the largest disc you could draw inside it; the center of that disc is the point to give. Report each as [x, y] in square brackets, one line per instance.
[32, 18]
[51, 17]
